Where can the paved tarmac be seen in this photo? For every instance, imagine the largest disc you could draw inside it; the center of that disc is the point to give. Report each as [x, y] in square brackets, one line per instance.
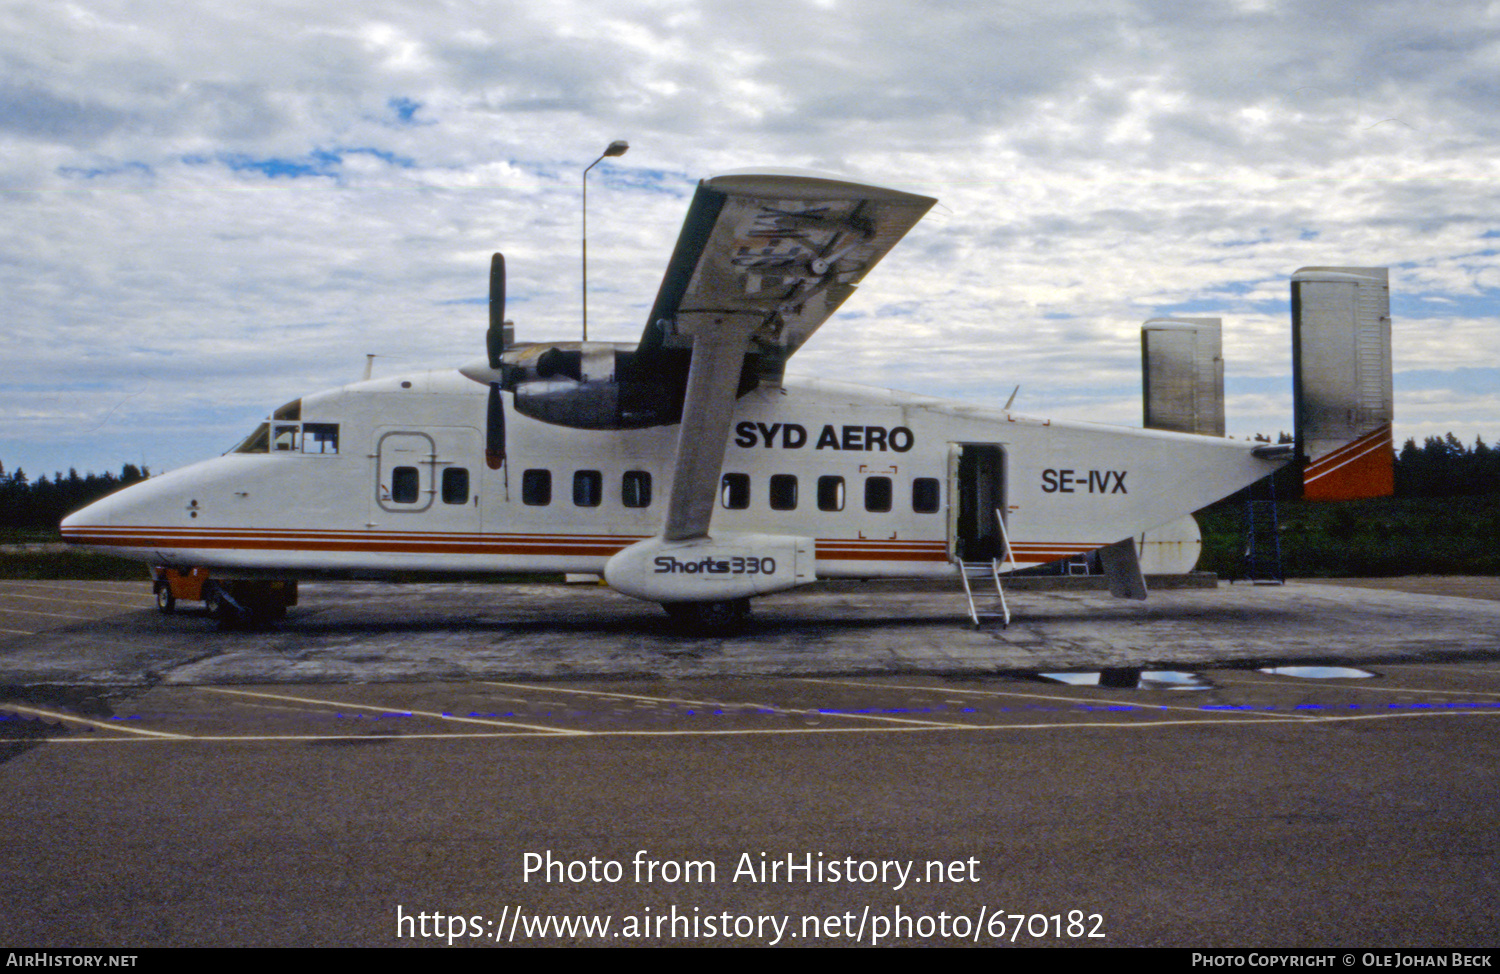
[391, 757]
[374, 632]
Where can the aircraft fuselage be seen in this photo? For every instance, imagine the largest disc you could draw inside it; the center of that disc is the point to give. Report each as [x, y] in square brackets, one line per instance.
[389, 476]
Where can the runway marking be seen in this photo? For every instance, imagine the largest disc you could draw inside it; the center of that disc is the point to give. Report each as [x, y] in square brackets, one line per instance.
[1367, 687]
[132, 588]
[91, 721]
[48, 598]
[1445, 669]
[1227, 710]
[720, 703]
[392, 710]
[1459, 693]
[50, 615]
[20, 632]
[547, 733]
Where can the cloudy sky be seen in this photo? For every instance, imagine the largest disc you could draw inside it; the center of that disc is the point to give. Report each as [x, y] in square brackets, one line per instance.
[212, 207]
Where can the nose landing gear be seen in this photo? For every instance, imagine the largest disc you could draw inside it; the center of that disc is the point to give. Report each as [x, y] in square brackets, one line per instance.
[236, 603]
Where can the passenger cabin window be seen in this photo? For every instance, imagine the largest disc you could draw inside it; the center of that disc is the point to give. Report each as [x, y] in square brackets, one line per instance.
[877, 494]
[830, 493]
[405, 485]
[635, 488]
[734, 491]
[536, 488]
[783, 492]
[588, 488]
[926, 497]
[456, 485]
[320, 438]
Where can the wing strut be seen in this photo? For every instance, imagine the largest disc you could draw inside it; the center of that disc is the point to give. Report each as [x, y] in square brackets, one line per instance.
[708, 409]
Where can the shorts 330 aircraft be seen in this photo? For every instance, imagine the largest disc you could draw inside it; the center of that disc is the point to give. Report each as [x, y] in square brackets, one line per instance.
[690, 471]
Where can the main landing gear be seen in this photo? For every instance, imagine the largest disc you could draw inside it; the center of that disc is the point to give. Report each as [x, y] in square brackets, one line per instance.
[709, 618]
[248, 605]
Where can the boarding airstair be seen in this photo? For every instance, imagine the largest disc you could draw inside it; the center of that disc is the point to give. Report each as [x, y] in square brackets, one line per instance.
[974, 571]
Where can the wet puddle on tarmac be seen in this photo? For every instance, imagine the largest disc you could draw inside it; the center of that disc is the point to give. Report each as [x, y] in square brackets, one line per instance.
[1128, 678]
[1318, 672]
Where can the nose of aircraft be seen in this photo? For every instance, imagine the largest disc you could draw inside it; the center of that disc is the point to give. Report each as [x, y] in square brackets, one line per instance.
[88, 526]
[115, 522]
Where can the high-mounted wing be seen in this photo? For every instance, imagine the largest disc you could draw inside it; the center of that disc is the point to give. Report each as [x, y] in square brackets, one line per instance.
[763, 259]
[777, 250]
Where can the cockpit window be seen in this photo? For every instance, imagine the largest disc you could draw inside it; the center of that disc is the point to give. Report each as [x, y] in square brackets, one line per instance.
[257, 442]
[320, 437]
[274, 437]
[292, 410]
[285, 438]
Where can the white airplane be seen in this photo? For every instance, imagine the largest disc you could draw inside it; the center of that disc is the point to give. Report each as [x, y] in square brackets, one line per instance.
[689, 471]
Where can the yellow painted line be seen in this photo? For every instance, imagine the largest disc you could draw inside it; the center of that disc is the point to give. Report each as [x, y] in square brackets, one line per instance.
[91, 721]
[551, 734]
[50, 615]
[1383, 689]
[1440, 668]
[1368, 688]
[47, 598]
[720, 703]
[1115, 701]
[128, 588]
[396, 710]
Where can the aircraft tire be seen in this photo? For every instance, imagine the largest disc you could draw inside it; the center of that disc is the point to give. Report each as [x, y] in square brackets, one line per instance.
[219, 607]
[166, 602]
[709, 618]
[214, 602]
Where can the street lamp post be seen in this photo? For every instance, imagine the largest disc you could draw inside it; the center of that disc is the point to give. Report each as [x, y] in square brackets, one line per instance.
[616, 148]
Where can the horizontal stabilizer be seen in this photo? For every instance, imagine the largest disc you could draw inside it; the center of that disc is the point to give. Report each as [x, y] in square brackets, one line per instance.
[1341, 364]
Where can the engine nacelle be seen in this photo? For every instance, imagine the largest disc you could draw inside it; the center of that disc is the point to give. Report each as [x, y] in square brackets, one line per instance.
[589, 385]
[711, 569]
[593, 405]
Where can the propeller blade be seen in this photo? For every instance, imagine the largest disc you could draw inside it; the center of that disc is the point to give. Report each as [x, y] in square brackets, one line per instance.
[494, 429]
[494, 339]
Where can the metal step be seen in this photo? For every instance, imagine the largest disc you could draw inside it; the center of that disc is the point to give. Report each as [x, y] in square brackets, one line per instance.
[983, 570]
[988, 569]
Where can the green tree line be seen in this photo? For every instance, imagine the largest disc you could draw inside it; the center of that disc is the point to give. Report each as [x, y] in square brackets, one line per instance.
[38, 505]
[1443, 467]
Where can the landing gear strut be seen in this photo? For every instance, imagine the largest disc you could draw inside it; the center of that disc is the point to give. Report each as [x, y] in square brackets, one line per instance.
[709, 618]
[240, 604]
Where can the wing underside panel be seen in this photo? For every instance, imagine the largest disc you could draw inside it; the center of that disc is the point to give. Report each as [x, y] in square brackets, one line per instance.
[785, 249]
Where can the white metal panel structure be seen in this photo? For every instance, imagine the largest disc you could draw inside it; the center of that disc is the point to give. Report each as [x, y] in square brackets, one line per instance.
[1182, 374]
[1182, 368]
[1341, 347]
